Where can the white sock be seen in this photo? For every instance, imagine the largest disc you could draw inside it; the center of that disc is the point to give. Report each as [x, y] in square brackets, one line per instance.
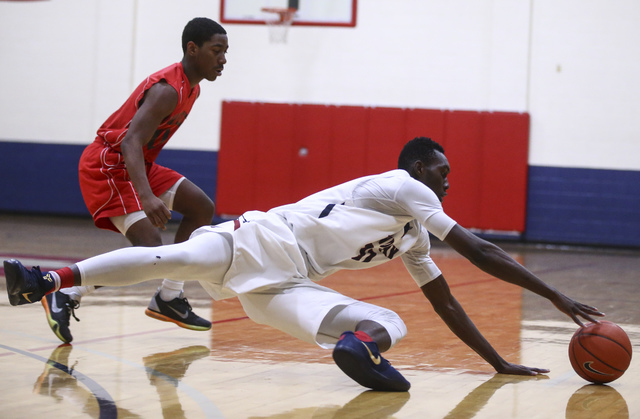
[76, 293]
[170, 289]
[56, 280]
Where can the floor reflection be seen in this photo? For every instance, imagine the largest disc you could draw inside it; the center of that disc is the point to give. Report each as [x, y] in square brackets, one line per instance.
[165, 370]
[597, 401]
[480, 396]
[368, 404]
[60, 381]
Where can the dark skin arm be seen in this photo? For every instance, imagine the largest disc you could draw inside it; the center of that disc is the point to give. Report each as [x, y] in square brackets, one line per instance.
[448, 308]
[158, 103]
[494, 261]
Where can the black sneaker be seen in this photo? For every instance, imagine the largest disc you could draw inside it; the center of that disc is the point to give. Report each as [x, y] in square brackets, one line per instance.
[59, 308]
[176, 311]
[362, 362]
[26, 286]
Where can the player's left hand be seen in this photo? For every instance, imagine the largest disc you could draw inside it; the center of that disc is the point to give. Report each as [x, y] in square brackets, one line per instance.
[516, 369]
[574, 309]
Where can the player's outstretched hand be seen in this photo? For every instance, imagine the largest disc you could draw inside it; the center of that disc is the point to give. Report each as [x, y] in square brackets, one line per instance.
[574, 309]
[516, 369]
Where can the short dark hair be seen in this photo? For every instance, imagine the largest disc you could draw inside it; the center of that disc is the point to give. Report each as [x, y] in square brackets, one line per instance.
[419, 149]
[199, 30]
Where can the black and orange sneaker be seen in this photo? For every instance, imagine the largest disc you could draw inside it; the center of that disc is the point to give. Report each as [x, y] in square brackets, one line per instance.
[176, 311]
[361, 361]
[59, 308]
[26, 286]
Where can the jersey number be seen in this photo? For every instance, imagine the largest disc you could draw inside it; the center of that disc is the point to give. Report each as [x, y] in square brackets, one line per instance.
[384, 247]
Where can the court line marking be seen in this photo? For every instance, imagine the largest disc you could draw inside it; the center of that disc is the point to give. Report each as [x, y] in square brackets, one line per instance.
[106, 404]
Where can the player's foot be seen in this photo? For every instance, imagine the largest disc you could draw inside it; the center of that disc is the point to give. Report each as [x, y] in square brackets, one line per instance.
[59, 308]
[174, 363]
[176, 311]
[25, 286]
[363, 363]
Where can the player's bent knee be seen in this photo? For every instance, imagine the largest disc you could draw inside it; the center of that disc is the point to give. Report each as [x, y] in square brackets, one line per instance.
[348, 317]
[392, 323]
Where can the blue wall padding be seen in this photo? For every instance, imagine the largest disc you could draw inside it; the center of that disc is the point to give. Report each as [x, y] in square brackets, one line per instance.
[583, 206]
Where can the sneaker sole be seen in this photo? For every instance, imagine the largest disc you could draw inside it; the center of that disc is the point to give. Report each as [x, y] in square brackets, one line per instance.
[163, 318]
[350, 363]
[55, 327]
[14, 300]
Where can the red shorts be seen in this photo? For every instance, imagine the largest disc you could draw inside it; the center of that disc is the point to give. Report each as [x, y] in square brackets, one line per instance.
[107, 188]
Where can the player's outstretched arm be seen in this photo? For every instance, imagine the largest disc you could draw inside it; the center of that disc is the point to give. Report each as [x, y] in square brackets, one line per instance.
[495, 261]
[450, 310]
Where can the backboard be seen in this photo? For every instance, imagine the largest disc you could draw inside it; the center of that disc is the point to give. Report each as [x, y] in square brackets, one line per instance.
[309, 12]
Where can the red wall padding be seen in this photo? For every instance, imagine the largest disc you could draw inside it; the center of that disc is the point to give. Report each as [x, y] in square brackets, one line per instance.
[273, 154]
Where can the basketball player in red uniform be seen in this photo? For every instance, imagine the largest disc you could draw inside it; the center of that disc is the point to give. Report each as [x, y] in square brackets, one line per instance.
[127, 192]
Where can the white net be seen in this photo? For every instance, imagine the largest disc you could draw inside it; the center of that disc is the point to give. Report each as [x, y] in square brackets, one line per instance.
[279, 24]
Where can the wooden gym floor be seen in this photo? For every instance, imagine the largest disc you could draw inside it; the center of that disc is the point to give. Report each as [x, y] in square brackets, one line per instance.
[125, 364]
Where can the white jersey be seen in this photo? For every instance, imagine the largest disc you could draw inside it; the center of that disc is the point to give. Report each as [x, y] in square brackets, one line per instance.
[366, 222]
[356, 225]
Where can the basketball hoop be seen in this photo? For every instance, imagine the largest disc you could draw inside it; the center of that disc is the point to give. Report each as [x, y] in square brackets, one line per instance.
[279, 25]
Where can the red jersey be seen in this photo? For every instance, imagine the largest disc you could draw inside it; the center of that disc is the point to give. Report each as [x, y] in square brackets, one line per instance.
[116, 126]
[104, 180]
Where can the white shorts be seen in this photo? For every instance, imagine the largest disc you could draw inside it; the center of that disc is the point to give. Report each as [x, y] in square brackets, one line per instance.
[124, 222]
[265, 255]
[269, 276]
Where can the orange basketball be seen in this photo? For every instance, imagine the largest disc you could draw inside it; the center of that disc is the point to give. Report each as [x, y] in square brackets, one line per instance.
[600, 352]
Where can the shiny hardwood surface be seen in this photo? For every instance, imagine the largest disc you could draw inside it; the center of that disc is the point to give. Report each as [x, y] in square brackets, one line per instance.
[122, 363]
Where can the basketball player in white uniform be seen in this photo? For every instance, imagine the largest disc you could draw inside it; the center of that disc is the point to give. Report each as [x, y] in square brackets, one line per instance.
[271, 261]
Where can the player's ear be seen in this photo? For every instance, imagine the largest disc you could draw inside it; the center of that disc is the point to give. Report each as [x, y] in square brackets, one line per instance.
[416, 169]
[192, 48]
[419, 167]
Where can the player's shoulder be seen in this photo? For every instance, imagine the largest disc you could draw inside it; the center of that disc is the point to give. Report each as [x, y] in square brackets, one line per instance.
[172, 75]
[394, 181]
[175, 68]
[390, 178]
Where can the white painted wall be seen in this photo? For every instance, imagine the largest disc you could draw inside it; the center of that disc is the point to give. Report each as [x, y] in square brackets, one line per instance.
[585, 84]
[65, 65]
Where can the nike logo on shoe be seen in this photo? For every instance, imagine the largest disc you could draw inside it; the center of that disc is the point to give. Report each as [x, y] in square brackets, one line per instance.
[375, 359]
[54, 305]
[182, 315]
[25, 295]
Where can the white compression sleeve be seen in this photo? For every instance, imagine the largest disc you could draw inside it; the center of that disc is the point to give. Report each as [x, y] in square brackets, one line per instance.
[343, 318]
[206, 257]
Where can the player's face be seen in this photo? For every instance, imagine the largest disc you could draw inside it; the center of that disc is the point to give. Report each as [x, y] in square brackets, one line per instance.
[212, 56]
[434, 175]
